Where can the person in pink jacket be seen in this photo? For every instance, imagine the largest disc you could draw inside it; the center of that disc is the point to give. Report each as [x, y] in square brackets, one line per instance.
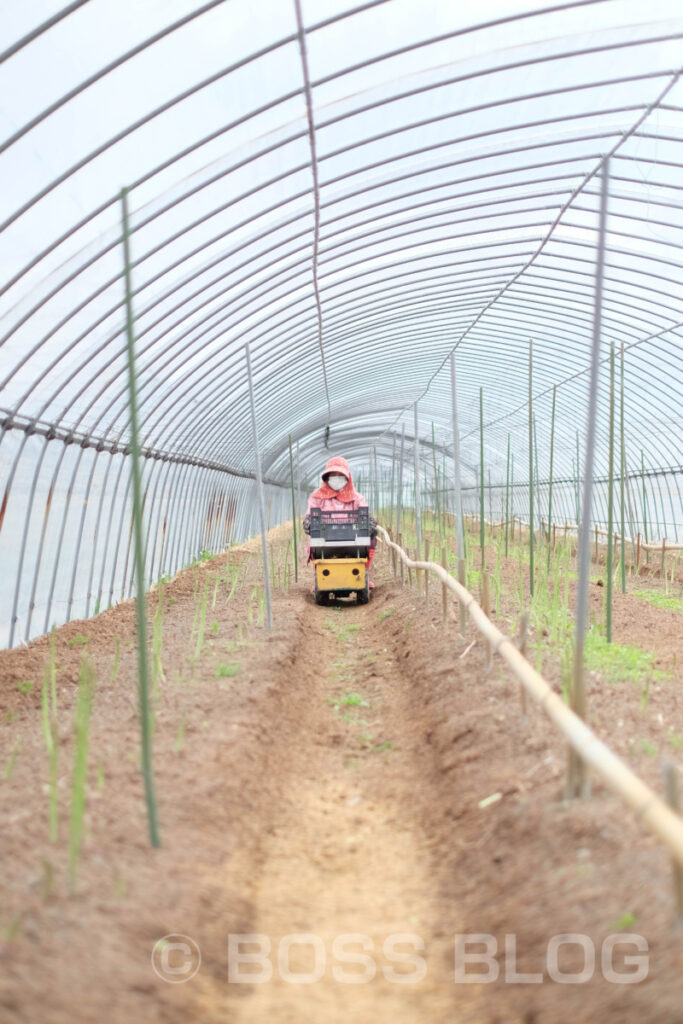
[338, 494]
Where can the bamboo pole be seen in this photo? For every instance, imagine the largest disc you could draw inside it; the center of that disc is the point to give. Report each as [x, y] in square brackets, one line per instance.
[671, 779]
[418, 503]
[642, 469]
[482, 526]
[550, 484]
[146, 725]
[507, 498]
[291, 476]
[622, 475]
[617, 776]
[393, 478]
[459, 518]
[531, 470]
[399, 496]
[444, 588]
[436, 485]
[610, 504]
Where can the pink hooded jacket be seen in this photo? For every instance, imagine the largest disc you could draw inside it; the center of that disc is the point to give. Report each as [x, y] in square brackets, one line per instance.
[337, 501]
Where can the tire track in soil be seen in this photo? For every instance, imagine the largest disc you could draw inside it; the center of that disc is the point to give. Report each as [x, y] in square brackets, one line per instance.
[347, 854]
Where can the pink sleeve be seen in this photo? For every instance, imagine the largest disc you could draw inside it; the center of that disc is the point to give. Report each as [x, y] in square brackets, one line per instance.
[313, 502]
[359, 501]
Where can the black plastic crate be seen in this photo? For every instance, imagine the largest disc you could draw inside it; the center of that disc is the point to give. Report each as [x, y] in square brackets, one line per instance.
[339, 525]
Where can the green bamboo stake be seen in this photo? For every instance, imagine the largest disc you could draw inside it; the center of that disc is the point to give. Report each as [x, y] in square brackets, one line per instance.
[550, 484]
[622, 454]
[436, 485]
[482, 535]
[507, 498]
[610, 500]
[531, 470]
[145, 716]
[642, 470]
[291, 477]
[578, 470]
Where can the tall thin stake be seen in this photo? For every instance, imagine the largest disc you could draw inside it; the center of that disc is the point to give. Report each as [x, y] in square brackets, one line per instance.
[550, 482]
[622, 474]
[436, 485]
[393, 479]
[531, 471]
[399, 496]
[259, 490]
[482, 530]
[576, 778]
[507, 498]
[418, 505]
[609, 561]
[291, 476]
[642, 470]
[140, 602]
[459, 530]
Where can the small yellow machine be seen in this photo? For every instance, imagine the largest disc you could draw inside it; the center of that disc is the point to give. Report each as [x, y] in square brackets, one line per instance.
[340, 542]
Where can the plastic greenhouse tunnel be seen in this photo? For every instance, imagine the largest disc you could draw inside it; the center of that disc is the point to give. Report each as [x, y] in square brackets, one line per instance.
[341, 510]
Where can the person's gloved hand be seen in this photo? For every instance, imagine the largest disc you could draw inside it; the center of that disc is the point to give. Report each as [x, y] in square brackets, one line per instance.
[307, 523]
[373, 527]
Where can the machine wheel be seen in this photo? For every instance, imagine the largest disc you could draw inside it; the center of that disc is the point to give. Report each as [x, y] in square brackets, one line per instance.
[322, 597]
[363, 596]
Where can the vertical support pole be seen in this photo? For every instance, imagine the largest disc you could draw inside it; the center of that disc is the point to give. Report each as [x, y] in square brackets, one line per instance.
[642, 470]
[550, 483]
[609, 569]
[507, 498]
[531, 470]
[459, 526]
[436, 485]
[444, 588]
[576, 776]
[482, 525]
[259, 490]
[291, 477]
[578, 482]
[140, 602]
[418, 505]
[622, 474]
[391, 490]
[399, 496]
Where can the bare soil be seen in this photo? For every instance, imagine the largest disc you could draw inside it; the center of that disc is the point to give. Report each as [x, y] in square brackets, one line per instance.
[335, 785]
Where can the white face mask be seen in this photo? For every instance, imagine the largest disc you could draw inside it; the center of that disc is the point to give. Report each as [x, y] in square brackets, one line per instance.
[337, 483]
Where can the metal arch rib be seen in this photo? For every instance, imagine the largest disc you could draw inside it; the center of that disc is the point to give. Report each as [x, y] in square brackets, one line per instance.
[316, 196]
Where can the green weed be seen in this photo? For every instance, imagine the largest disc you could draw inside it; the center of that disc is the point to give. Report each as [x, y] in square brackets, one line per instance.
[627, 920]
[78, 641]
[227, 671]
[25, 686]
[619, 662]
[385, 614]
[660, 600]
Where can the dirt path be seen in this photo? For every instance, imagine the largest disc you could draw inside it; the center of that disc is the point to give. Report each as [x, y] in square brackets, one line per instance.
[346, 855]
[356, 774]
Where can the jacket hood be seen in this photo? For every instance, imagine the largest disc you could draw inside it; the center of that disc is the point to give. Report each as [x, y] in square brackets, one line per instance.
[337, 465]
